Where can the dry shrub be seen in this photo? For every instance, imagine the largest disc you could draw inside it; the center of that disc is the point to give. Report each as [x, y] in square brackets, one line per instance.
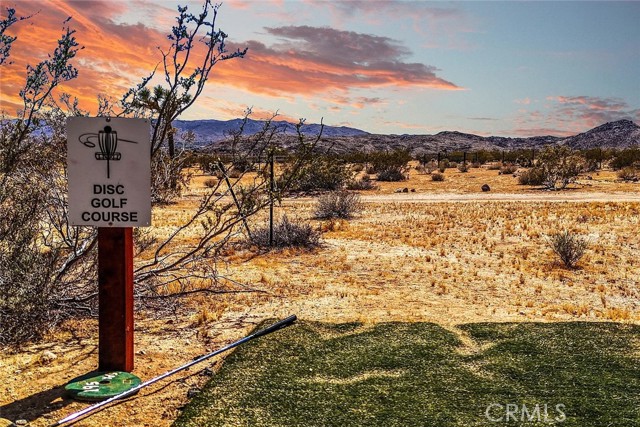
[392, 174]
[533, 176]
[364, 183]
[508, 169]
[628, 174]
[322, 173]
[568, 246]
[436, 176]
[338, 204]
[211, 183]
[286, 234]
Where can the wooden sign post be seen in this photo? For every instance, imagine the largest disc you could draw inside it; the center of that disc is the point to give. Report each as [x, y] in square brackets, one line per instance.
[115, 296]
[109, 171]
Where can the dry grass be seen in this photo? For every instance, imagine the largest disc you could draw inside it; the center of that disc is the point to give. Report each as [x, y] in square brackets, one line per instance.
[447, 262]
[472, 181]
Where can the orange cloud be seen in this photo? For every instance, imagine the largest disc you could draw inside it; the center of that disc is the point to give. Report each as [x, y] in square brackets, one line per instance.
[307, 61]
[114, 57]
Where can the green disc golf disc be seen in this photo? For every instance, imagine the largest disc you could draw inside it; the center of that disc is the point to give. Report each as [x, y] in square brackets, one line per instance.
[97, 386]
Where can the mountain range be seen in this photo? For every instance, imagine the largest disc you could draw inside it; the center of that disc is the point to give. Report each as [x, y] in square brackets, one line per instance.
[213, 133]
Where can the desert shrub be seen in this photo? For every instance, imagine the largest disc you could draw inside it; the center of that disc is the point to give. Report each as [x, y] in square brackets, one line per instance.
[463, 167]
[508, 169]
[211, 183]
[559, 166]
[628, 174]
[624, 158]
[363, 183]
[568, 246]
[533, 176]
[287, 233]
[395, 160]
[322, 173]
[436, 176]
[389, 166]
[495, 166]
[392, 174]
[358, 167]
[338, 204]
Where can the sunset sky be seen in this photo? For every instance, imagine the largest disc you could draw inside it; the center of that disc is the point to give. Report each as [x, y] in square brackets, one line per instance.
[392, 67]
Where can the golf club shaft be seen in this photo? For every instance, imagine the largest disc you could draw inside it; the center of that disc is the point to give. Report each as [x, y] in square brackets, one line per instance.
[78, 415]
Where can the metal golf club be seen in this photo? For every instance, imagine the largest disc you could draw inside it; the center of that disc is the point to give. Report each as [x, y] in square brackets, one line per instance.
[81, 414]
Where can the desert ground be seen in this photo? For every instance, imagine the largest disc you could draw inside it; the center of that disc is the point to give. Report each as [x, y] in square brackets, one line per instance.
[442, 252]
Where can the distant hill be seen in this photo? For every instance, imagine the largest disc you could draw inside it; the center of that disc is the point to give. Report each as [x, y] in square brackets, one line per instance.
[618, 134]
[212, 131]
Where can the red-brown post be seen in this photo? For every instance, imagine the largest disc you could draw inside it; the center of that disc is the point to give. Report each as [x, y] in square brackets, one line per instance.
[115, 294]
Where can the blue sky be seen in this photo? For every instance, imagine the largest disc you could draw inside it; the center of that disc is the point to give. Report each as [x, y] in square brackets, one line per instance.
[491, 68]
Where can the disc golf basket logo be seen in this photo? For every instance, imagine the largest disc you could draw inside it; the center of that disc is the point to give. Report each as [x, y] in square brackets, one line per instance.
[107, 140]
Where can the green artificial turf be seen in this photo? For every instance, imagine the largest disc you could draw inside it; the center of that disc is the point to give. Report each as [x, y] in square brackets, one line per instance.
[419, 374]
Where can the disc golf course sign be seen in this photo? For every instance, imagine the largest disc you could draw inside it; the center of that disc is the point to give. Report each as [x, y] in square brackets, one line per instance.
[109, 172]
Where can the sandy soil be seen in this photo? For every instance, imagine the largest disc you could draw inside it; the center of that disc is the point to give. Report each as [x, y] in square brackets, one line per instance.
[402, 259]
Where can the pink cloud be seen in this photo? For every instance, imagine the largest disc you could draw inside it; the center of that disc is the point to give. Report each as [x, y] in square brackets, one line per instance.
[592, 111]
[569, 115]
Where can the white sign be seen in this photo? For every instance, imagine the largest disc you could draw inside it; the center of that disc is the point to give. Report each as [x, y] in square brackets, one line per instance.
[109, 171]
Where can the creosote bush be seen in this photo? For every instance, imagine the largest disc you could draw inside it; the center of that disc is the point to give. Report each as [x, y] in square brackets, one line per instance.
[560, 166]
[568, 246]
[437, 176]
[363, 183]
[628, 174]
[322, 173]
[508, 169]
[392, 174]
[390, 166]
[533, 176]
[338, 204]
[286, 234]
